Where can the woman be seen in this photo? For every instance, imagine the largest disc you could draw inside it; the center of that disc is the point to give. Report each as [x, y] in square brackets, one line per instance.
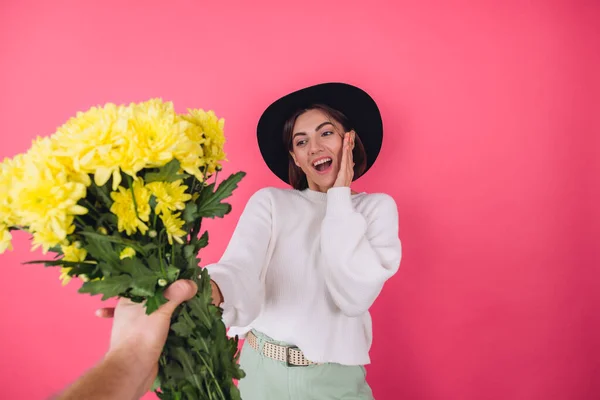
[304, 265]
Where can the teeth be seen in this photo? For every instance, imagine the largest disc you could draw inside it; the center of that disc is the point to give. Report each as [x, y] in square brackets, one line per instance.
[321, 161]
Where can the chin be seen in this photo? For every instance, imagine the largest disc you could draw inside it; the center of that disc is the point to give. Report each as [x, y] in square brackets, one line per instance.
[324, 183]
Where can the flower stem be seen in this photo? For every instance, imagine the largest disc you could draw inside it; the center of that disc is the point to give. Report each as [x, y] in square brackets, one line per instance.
[173, 254]
[103, 196]
[160, 255]
[90, 207]
[130, 180]
[212, 375]
[81, 221]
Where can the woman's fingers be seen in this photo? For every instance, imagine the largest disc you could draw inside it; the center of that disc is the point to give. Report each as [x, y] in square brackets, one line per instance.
[344, 177]
[350, 158]
[107, 312]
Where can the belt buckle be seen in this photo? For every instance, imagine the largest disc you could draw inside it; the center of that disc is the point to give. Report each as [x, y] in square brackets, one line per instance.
[287, 356]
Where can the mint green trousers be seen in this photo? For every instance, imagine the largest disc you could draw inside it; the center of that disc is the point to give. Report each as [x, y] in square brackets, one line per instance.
[267, 379]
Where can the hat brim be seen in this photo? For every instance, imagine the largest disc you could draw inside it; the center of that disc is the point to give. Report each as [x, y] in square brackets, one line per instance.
[355, 103]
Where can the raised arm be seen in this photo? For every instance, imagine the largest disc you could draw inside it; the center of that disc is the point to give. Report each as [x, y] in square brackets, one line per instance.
[360, 253]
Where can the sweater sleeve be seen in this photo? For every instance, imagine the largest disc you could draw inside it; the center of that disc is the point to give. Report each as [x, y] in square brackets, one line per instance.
[238, 272]
[360, 253]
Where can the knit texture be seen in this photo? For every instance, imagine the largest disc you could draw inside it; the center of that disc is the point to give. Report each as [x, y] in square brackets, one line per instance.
[304, 267]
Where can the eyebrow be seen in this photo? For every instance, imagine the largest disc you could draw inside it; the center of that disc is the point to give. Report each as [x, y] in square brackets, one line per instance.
[316, 129]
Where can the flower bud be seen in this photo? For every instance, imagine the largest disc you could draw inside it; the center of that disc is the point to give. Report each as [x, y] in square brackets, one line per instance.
[102, 230]
[162, 282]
[127, 252]
[152, 233]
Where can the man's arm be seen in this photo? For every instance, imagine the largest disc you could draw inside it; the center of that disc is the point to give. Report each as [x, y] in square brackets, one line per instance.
[116, 377]
[130, 366]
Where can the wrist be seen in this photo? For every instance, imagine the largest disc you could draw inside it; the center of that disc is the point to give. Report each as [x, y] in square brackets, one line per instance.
[217, 295]
[118, 376]
[129, 363]
[339, 201]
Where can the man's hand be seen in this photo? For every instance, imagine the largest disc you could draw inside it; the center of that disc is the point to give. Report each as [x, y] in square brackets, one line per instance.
[346, 172]
[138, 339]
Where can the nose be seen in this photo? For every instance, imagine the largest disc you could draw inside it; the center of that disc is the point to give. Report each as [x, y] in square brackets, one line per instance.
[315, 147]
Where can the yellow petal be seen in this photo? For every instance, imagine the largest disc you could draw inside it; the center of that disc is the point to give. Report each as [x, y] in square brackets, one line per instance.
[127, 252]
[102, 175]
[78, 210]
[116, 179]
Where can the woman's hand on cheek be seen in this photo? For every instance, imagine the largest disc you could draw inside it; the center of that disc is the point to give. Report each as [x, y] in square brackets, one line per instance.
[346, 172]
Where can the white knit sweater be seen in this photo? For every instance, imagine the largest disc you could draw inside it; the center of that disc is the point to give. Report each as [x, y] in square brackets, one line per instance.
[304, 267]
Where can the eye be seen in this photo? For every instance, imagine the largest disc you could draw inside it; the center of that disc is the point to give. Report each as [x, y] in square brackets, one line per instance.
[300, 142]
[327, 133]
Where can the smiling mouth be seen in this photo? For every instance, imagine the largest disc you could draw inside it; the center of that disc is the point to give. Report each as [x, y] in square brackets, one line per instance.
[323, 164]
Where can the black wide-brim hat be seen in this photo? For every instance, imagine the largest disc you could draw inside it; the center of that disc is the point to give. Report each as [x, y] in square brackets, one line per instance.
[360, 109]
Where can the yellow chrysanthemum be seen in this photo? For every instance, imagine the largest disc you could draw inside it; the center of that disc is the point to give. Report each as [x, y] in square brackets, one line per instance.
[173, 226]
[170, 196]
[125, 208]
[157, 132]
[5, 239]
[44, 198]
[127, 252]
[207, 130]
[46, 149]
[47, 237]
[71, 253]
[108, 140]
[10, 172]
[95, 142]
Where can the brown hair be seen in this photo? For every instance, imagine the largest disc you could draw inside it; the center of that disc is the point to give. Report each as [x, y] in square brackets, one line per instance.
[296, 176]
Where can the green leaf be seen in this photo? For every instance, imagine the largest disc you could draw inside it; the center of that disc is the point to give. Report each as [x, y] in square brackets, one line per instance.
[167, 173]
[136, 268]
[187, 362]
[189, 273]
[108, 217]
[101, 239]
[182, 328]
[202, 242]
[54, 249]
[153, 203]
[109, 286]
[102, 194]
[154, 302]
[173, 370]
[149, 247]
[189, 251]
[101, 248]
[107, 269]
[144, 286]
[190, 392]
[209, 203]
[156, 384]
[172, 273]
[154, 263]
[189, 214]
[54, 263]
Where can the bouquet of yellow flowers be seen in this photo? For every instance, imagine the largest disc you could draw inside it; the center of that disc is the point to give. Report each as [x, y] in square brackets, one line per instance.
[118, 193]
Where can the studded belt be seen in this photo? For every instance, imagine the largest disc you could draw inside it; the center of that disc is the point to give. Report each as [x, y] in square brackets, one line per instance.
[291, 355]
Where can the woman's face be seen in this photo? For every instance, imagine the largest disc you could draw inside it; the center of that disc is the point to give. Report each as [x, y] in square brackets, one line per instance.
[317, 143]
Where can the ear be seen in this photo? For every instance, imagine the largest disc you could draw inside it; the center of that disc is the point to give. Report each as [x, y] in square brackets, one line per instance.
[294, 158]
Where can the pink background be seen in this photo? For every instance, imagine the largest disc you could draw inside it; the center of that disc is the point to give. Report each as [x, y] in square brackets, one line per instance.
[491, 114]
